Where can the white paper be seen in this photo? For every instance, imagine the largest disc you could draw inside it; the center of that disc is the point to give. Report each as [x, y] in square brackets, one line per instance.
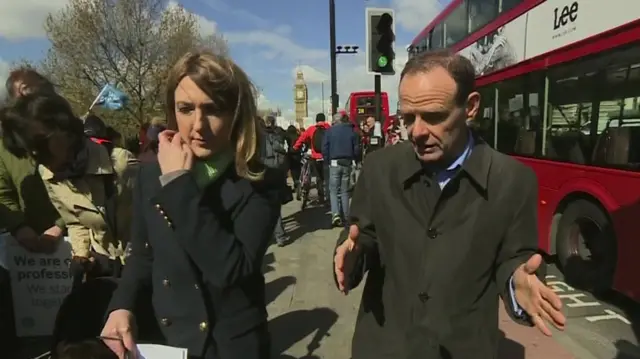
[157, 351]
[334, 163]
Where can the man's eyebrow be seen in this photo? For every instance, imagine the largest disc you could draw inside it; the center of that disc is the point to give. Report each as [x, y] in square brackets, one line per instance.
[434, 112]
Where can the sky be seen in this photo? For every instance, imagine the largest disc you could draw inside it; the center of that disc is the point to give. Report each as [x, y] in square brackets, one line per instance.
[269, 39]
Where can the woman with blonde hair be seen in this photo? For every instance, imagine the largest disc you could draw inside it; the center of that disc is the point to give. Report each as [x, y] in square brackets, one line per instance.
[203, 218]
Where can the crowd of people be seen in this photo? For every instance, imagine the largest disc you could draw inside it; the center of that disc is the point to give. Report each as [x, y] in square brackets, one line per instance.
[167, 245]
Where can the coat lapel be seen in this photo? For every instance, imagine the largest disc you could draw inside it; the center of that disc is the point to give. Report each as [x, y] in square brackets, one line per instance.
[413, 181]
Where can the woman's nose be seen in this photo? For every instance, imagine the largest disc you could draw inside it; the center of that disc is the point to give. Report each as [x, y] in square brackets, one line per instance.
[199, 120]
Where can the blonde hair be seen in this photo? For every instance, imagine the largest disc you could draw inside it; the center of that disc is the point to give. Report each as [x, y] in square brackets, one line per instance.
[229, 87]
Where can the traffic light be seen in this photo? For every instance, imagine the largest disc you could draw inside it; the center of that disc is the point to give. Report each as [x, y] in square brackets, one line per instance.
[380, 41]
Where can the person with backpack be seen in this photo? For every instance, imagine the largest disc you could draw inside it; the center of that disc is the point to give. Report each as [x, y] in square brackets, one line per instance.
[275, 157]
[341, 149]
[89, 184]
[314, 137]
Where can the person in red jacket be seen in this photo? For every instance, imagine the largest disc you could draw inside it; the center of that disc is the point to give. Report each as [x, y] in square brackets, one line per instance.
[314, 140]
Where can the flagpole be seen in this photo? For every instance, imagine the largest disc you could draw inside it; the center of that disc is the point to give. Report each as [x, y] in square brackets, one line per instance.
[97, 98]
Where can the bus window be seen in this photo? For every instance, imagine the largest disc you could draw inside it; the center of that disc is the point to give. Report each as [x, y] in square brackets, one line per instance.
[437, 35]
[569, 115]
[365, 101]
[481, 12]
[423, 45]
[618, 126]
[520, 118]
[507, 5]
[484, 122]
[455, 25]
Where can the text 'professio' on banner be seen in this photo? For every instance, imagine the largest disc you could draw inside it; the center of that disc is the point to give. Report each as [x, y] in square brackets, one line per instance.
[39, 284]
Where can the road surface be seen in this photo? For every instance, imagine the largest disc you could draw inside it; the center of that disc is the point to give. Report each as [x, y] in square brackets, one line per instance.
[309, 318]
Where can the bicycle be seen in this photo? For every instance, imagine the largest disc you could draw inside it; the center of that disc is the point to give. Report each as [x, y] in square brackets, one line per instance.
[304, 187]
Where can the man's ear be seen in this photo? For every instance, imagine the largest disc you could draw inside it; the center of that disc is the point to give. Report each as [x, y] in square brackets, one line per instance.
[23, 90]
[473, 105]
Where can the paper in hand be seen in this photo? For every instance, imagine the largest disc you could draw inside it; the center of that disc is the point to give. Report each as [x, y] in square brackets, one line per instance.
[156, 351]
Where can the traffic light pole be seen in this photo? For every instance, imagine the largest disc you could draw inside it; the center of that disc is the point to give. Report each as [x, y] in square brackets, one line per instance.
[377, 139]
[377, 87]
[332, 45]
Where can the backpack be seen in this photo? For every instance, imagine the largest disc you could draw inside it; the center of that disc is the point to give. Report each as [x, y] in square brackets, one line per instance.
[275, 153]
[318, 138]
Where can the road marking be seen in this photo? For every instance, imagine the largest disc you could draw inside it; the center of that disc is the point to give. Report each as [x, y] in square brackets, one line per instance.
[577, 303]
[559, 286]
[610, 314]
[556, 286]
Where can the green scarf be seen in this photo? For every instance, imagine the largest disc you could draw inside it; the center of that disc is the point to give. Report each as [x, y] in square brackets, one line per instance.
[208, 170]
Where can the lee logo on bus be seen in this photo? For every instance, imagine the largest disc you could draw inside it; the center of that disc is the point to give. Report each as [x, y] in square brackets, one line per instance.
[562, 17]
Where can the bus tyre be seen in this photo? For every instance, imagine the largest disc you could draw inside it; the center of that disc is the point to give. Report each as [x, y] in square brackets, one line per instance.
[586, 246]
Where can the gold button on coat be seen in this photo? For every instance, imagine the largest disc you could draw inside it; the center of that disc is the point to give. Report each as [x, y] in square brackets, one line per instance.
[166, 283]
[166, 322]
[204, 326]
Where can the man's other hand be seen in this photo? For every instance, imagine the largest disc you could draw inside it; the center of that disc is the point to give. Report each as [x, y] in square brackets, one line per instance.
[344, 259]
[540, 302]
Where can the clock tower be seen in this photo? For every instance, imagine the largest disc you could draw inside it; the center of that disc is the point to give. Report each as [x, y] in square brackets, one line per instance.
[300, 98]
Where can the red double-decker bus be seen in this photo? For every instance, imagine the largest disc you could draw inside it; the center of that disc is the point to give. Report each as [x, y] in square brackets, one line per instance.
[361, 105]
[560, 87]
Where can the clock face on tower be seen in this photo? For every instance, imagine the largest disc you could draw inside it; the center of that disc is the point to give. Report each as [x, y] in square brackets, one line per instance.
[300, 95]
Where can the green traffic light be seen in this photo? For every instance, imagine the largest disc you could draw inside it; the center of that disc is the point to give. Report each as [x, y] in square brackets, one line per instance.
[382, 61]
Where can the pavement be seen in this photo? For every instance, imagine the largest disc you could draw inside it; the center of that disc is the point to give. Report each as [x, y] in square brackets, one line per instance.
[310, 319]
[603, 326]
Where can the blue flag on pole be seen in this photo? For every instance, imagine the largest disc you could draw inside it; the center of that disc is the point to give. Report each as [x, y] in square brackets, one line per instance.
[111, 98]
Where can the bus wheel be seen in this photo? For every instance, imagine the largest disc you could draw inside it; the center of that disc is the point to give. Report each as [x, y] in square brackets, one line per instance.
[586, 246]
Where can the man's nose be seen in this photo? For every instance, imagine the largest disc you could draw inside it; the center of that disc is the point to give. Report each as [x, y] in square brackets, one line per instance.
[420, 128]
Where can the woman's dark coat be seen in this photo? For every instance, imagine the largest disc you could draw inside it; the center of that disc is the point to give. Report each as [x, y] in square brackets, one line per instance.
[201, 252]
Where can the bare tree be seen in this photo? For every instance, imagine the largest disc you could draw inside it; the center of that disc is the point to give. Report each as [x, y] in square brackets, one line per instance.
[128, 43]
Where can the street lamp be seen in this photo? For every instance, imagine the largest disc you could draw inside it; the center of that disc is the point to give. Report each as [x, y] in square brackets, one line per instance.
[335, 50]
[338, 50]
[346, 50]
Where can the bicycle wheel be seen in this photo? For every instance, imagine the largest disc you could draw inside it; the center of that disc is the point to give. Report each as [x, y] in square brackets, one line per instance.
[299, 193]
[306, 186]
[305, 199]
[304, 182]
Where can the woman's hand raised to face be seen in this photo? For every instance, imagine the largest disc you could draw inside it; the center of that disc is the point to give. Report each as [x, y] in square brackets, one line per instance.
[174, 153]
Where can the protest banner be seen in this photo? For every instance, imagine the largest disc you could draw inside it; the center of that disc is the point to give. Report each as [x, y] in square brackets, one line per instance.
[39, 284]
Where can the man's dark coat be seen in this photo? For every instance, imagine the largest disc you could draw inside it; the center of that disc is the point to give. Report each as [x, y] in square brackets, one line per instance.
[438, 259]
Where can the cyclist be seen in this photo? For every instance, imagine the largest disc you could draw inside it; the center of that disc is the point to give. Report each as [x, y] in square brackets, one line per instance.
[313, 138]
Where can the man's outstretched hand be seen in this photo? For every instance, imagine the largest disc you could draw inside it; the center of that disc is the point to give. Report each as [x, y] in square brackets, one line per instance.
[344, 259]
[539, 301]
